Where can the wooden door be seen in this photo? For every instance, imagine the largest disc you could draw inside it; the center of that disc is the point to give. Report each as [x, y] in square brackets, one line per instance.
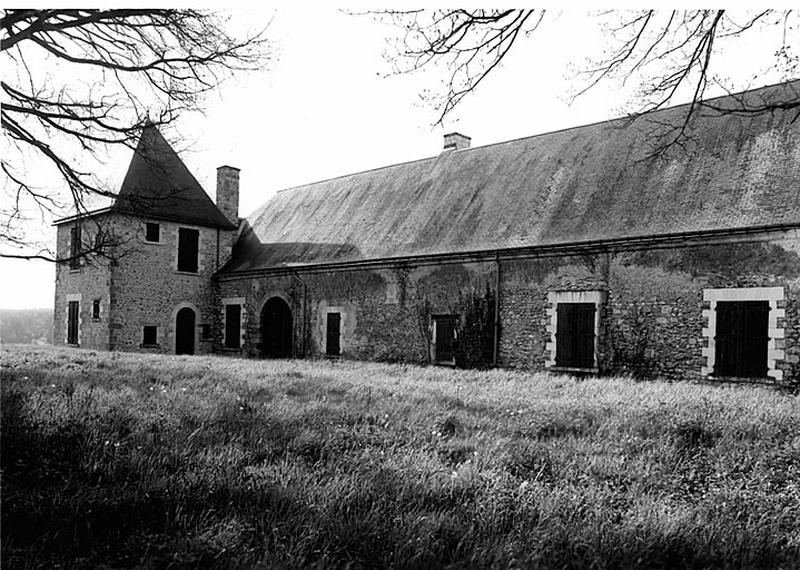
[184, 331]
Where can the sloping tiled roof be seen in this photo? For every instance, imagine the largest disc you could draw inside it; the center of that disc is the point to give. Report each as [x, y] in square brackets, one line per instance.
[593, 182]
[158, 185]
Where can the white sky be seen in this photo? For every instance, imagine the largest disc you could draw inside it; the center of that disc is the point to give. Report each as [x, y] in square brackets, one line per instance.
[324, 109]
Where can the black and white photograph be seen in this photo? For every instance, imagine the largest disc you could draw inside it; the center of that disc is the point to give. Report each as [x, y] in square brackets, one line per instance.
[299, 286]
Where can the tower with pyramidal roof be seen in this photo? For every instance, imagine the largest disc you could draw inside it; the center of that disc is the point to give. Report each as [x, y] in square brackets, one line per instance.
[138, 275]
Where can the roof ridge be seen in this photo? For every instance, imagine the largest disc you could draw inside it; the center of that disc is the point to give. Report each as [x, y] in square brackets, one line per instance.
[631, 116]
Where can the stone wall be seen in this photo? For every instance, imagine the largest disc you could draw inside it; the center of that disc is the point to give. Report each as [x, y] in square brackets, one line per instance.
[148, 289]
[85, 283]
[651, 317]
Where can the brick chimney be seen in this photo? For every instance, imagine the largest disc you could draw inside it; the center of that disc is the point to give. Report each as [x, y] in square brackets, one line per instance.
[228, 193]
[456, 141]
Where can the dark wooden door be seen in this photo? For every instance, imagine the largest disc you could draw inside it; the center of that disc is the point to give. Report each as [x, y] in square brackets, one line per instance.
[184, 331]
[575, 335]
[276, 329]
[73, 313]
[445, 338]
[333, 333]
[741, 339]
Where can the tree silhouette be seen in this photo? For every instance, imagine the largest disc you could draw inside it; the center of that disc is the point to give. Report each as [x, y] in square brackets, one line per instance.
[78, 81]
[665, 52]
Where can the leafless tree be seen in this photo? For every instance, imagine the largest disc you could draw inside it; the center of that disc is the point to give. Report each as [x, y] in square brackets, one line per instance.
[77, 81]
[667, 53]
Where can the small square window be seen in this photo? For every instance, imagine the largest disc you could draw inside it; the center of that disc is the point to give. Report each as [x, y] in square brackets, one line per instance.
[96, 309]
[149, 335]
[152, 232]
[205, 331]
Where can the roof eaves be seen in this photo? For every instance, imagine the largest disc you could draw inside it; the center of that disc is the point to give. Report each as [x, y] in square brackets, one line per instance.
[89, 214]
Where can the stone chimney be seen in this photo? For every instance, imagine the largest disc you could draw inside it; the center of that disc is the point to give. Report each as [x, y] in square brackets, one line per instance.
[456, 141]
[228, 193]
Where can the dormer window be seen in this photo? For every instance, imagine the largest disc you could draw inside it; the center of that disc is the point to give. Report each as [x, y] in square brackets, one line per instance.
[188, 240]
[152, 232]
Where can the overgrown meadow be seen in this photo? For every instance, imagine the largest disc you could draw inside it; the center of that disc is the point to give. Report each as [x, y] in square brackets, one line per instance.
[118, 460]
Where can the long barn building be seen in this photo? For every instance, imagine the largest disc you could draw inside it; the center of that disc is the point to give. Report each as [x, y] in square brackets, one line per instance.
[593, 250]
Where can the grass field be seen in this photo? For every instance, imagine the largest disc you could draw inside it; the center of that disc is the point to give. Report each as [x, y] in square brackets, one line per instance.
[117, 460]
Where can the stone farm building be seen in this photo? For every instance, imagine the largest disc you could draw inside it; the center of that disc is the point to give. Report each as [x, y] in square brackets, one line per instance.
[585, 250]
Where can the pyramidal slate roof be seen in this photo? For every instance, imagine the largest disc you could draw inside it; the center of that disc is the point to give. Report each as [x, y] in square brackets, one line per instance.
[158, 185]
[594, 182]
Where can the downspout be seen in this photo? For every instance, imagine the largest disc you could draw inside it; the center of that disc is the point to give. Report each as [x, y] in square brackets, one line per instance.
[303, 312]
[496, 352]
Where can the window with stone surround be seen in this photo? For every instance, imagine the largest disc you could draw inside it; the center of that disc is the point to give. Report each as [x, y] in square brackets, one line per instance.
[574, 329]
[149, 335]
[152, 232]
[96, 309]
[744, 332]
[188, 241]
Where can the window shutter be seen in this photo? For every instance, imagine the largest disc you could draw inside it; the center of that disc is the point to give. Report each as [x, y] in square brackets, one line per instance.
[755, 321]
[741, 339]
[75, 246]
[585, 315]
[575, 335]
[72, 322]
[726, 355]
[445, 338]
[233, 322]
[187, 249]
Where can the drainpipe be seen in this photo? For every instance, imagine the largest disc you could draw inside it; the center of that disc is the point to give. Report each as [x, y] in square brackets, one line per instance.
[303, 328]
[496, 352]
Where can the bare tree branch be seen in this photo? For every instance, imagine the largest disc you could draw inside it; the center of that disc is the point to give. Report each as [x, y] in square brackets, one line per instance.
[670, 55]
[124, 68]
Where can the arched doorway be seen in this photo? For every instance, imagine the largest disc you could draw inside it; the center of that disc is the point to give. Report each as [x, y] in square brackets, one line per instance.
[184, 331]
[276, 329]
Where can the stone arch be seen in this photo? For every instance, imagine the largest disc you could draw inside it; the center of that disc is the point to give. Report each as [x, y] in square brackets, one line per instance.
[185, 331]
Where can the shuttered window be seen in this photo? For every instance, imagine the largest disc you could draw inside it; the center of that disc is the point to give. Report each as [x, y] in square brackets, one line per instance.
[445, 340]
[575, 335]
[233, 326]
[75, 246]
[187, 249]
[741, 339]
[73, 313]
[332, 338]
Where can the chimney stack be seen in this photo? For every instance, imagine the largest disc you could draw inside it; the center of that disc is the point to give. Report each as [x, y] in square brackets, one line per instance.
[228, 193]
[456, 141]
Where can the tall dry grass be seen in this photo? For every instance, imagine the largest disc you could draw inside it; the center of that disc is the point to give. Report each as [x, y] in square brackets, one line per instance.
[121, 460]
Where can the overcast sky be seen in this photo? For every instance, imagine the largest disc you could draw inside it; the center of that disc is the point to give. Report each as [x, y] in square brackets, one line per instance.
[324, 108]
